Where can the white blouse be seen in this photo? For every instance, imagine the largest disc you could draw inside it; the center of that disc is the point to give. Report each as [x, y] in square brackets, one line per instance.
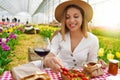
[85, 51]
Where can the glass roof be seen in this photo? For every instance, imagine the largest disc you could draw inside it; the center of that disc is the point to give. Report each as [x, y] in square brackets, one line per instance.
[29, 6]
[17, 6]
[42, 11]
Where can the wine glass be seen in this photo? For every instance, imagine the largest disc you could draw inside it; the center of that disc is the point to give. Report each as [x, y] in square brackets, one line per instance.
[42, 48]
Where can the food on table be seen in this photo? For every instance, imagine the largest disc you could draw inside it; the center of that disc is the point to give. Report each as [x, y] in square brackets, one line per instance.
[103, 63]
[90, 64]
[73, 74]
[113, 67]
[93, 69]
[28, 71]
[38, 77]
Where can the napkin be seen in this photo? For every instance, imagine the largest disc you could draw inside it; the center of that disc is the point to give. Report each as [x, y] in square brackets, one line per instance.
[28, 72]
[117, 77]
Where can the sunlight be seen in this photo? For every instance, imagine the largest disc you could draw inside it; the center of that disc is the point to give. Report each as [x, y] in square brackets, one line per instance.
[106, 14]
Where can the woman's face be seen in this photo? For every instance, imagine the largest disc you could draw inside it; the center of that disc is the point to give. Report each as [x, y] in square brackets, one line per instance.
[73, 19]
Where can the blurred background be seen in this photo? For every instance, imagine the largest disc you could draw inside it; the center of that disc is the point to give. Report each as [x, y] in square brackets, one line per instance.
[21, 19]
[106, 12]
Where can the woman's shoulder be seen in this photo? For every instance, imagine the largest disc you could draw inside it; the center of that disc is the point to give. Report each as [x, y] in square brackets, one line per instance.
[57, 33]
[92, 36]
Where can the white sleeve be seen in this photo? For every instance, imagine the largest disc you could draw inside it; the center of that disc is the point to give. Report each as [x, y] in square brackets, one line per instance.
[55, 44]
[92, 55]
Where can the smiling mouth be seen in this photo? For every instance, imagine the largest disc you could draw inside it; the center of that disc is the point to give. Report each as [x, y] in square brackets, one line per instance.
[72, 25]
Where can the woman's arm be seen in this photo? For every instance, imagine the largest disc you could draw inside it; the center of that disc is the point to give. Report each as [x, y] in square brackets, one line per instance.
[52, 62]
[92, 55]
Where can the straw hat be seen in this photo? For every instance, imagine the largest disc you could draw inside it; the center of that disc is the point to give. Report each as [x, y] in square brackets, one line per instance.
[84, 5]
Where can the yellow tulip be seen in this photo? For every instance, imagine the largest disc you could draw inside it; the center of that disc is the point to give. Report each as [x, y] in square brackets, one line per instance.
[0, 33]
[118, 54]
[101, 52]
[4, 30]
[110, 56]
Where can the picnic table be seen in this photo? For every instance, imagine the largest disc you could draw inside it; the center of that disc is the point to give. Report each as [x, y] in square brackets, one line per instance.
[56, 76]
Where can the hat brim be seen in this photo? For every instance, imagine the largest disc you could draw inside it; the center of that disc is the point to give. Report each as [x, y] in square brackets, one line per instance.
[84, 5]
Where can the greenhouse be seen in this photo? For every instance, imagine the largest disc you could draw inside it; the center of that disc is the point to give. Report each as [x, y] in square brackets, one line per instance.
[59, 40]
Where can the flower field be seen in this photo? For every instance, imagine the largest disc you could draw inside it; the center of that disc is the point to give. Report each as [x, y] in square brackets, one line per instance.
[8, 40]
[47, 31]
[109, 42]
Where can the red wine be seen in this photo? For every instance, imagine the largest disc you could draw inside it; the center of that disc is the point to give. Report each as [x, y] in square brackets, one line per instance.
[41, 51]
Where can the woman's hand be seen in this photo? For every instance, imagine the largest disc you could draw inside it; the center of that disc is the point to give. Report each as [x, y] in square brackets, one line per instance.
[53, 62]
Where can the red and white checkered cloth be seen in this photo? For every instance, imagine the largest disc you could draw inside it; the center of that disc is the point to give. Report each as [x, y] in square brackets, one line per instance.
[6, 76]
[54, 76]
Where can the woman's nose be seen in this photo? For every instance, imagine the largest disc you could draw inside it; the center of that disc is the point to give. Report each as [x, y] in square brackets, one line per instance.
[71, 19]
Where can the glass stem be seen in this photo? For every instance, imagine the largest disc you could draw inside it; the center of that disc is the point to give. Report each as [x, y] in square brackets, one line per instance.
[42, 67]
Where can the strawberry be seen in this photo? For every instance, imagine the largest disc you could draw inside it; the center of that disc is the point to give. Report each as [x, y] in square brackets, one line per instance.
[81, 75]
[64, 72]
[84, 78]
[73, 74]
[64, 69]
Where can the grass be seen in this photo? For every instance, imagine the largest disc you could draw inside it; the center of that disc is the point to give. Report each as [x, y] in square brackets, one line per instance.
[108, 39]
[20, 53]
[109, 42]
[115, 34]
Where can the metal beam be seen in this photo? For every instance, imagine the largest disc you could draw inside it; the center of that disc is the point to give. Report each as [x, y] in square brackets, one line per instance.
[6, 10]
[28, 6]
[38, 7]
[88, 1]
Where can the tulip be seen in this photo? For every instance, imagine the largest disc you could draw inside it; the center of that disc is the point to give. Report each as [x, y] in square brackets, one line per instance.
[5, 47]
[4, 40]
[118, 54]
[110, 56]
[101, 52]
[13, 36]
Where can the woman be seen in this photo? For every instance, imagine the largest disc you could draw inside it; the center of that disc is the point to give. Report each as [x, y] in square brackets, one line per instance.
[73, 45]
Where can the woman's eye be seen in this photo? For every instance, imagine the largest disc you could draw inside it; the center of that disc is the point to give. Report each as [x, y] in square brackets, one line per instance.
[67, 17]
[76, 16]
